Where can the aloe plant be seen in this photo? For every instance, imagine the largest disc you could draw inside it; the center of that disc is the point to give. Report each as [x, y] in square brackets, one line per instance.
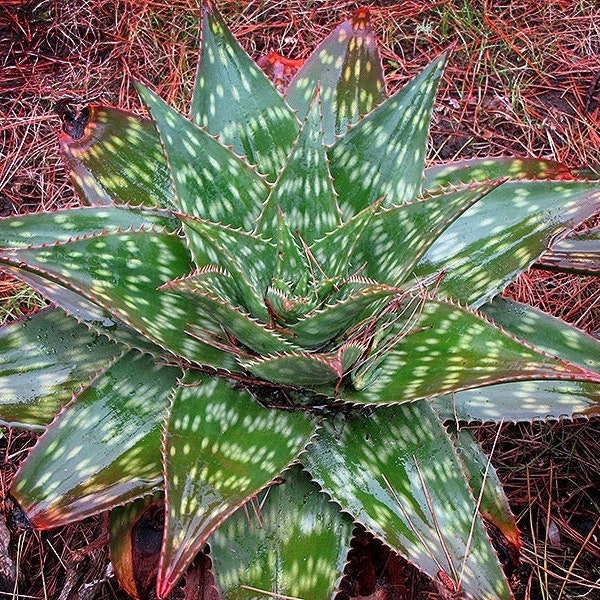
[273, 318]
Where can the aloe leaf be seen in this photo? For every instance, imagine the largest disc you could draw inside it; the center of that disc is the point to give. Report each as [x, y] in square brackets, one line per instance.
[135, 541]
[234, 100]
[521, 401]
[75, 471]
[398, 236]
[486, 486]
[346, 66]
[298, 369]
[249, 259]
[384, 154]
[96, 318]
[221, 448]
[294, 543]
[305, 175]
[47, 357]
[64, 225]
[448, 348]
[118, 160]
[240, 325]
[545, 332]
[333, 251]
[503, 234]
[396, 472]
[578, 253]
[325, 324]
[291, 263]
[121, 273]
[210, 181]
[488, 169]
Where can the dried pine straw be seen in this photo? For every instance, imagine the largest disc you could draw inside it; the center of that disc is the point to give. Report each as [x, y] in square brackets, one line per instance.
[523, 79]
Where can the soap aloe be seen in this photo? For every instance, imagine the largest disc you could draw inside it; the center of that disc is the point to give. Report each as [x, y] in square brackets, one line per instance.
[270, 316]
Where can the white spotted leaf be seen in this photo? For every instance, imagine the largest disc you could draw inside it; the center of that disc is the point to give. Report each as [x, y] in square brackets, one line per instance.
[46, 358]
[501, 236]
[103, 449]
[118, 160]
[346, 67]
[121, 272]
[397, 473]
[234, 100]
[446, 348]
[221, 448]
[305, 174]
[288, 541]
[210, 181]
[383, 155]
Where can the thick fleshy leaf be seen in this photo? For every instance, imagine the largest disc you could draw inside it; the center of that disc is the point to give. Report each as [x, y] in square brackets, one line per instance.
[327, 323]
[521, 401]
[63, 225]
[210, 181]
[135, 541]
[545, 332]
[450, 348]
[578, 253]
[397, 237]
[291, 265]
[235, 101]
[384, 154]
[249, 259]
[97, 319]
[347, 68]
[240, 325]
[486, 486]
[396, 472]
[119, 159]
[47, 357]
[503, 234]
[103, 449]
[307, 370]
[304, 190]
[489, 169]
[289, 541]
[121, 272]
[221, 448]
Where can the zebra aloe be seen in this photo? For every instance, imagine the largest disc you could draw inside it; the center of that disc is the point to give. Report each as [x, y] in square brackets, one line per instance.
[273, 318]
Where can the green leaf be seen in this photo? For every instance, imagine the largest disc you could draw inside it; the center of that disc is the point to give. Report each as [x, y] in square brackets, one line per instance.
[235, 101]
[119, 159]
[447, 348]
[578, 253]
[488, 169]
[249, 259]
[103, 449]
[486, 486]
[209, 180]
[346, 66]
[46, 357]
[221, 448]
[325, 324]
[398, 236]
[384, 154]
[240, 325]
[289, 541]
[521, 401]
[40, 228]
[304, 176]
[396, 472]
[503, 234]
[545, 332]
[121, 273]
